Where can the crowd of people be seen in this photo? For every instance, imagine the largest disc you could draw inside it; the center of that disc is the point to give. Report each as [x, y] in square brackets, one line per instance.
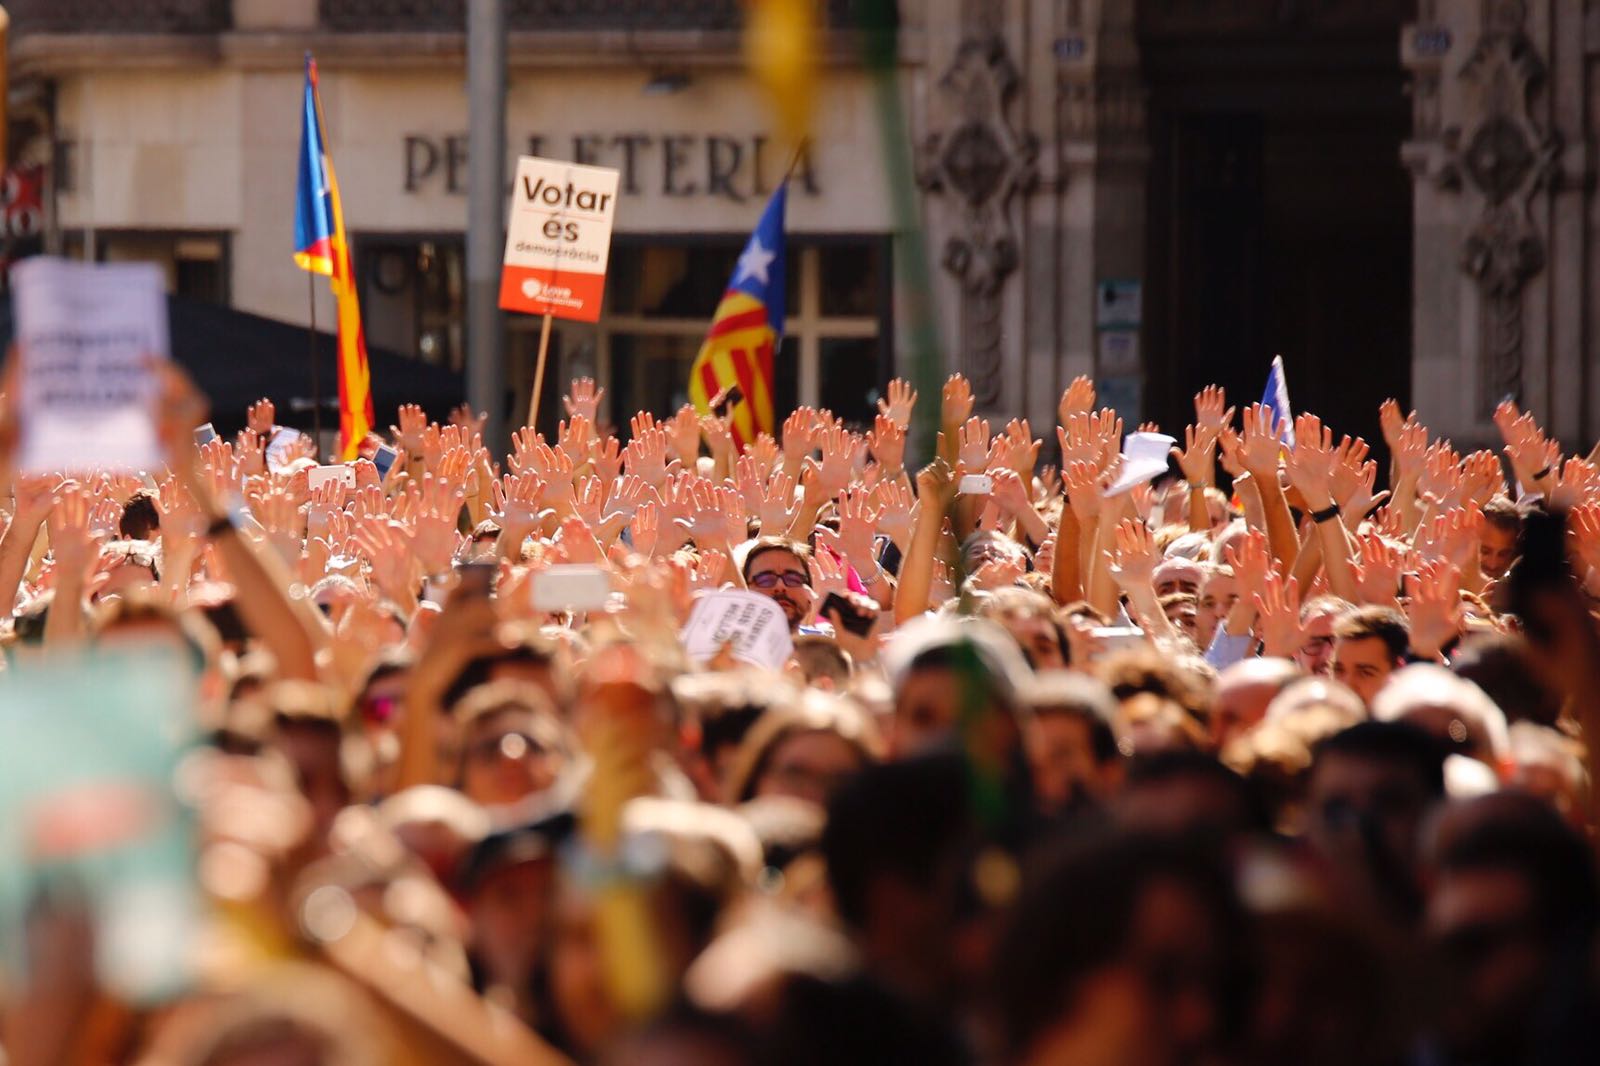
[1234, 758]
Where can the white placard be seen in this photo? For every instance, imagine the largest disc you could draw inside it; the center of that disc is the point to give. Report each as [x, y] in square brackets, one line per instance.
[84, 332]
[558, 242]
[754, 623]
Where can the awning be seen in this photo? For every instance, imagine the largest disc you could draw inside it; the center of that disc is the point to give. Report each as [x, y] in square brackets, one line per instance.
[236, 358]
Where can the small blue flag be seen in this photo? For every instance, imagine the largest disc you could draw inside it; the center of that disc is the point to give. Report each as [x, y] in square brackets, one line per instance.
[1276, 399]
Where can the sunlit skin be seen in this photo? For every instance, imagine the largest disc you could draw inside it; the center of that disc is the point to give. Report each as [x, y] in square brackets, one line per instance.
[1217, 597]
[1178, 575]
[808, 766]
[796, 601]
[1497, 547]
[1316, 651]
[1363, 663]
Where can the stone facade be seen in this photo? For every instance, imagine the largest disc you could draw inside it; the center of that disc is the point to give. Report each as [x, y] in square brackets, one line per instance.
[1030, 129]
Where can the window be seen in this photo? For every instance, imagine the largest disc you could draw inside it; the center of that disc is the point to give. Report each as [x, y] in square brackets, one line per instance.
[660, 296]
[195, 264]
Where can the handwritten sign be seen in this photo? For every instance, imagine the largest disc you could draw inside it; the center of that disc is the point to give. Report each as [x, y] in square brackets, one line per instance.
[84, 333]
[559, 242]
[753, 623]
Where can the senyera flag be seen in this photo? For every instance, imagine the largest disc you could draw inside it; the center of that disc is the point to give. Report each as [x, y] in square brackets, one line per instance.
[322, 248]
[746, 331]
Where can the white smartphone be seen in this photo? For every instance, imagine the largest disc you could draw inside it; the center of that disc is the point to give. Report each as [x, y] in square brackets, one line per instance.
[976, 485]
[1117, 638]
[205, 434]
[319, 476]
[571, 587]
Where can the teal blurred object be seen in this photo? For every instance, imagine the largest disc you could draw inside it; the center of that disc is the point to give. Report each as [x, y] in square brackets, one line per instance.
[89, 818]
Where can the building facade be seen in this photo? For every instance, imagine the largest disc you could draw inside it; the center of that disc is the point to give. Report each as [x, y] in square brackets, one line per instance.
[1396, 195]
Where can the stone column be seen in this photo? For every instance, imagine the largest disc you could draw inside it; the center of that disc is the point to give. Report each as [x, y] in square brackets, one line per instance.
[1500, 155]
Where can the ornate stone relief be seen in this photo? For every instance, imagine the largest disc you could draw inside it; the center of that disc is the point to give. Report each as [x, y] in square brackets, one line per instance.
[1505, 156]
[983, 162]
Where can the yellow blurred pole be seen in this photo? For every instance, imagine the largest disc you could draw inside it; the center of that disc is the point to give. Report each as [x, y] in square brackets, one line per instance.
[5, 88]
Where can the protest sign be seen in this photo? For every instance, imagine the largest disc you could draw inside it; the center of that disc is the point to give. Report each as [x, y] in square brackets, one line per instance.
[558, 241]
[84, 333]
[89, 744]
[753, 624]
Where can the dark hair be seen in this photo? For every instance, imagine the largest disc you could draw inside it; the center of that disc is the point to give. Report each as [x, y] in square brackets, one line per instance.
[478, 670]
[1385, 623]
[900, 819]
[1398, 743]
[1075, 915]
[1502, 512]
[1163, 766]
[140, 519]
[1518, 832]
[763, 545]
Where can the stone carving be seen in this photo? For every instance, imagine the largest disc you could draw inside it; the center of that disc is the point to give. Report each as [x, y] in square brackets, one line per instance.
[1506, 157]
[983, 162]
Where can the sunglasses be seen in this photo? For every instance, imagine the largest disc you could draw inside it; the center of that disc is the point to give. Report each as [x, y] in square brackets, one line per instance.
[769, 579]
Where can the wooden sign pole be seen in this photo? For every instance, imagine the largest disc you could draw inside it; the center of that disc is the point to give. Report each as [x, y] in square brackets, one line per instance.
[538, 372]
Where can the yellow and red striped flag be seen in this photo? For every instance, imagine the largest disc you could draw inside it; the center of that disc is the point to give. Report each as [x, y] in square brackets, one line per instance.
[747, 330]
[322, 248]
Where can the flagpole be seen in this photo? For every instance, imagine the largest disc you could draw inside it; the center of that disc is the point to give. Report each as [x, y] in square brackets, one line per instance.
[538, 372]
[316, 377]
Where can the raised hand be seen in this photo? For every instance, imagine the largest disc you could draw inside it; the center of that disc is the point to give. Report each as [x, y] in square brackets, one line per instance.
[1440, 479]
[260, 416]
[413, 420]
[1575, 483]
[1261, 442]
[517, 505]
[897, 407]
[606, 458]
[1378, 570]
[1197, 459]
[683, 433]
[936, 485]
[1434, 609]
[471, 421]
[776, 507]
[433, 525]
[895, 511]
[1078, 399]
[1392, 422]
[972, 444]
[1278, 616]
[828, 574]
[583, 400]
[1310, 463]
[1452, 536]
[1482, 479]
[858, 526]
[1082, 483]
[645, 457]
[554, 468]
[1211, 410]
[800, 432]
[887, 442]
[575, 438]
[1023, 450]
[1134, 559]
[998, 573]
[73, 543]
[588, 497]
[955, 402]
[250, 451]
[1251, 563]
[839, 453]
[764, 450]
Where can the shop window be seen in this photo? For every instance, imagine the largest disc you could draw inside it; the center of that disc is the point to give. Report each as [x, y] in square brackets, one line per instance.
[195, 264]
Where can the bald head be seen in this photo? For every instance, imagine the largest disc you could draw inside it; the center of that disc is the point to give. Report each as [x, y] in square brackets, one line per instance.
[1243, 692]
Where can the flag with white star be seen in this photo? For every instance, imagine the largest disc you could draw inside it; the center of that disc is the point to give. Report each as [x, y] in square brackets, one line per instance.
[746, 330]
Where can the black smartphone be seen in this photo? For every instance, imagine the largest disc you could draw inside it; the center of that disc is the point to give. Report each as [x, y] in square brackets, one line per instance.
[851, 617]
[726, 400]
[476, 579]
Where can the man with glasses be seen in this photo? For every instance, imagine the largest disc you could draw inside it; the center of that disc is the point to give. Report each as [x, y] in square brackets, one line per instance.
[780, 569]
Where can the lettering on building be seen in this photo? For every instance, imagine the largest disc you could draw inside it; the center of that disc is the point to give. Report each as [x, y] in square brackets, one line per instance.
[724, 166]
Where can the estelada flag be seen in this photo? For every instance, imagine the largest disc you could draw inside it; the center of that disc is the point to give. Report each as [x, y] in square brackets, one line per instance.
[321, 247]
[747, 329]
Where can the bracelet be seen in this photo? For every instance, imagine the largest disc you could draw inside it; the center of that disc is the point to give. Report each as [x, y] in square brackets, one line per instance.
[1327, 514]
[1541, 475]
[1196, 487]
[220, 525]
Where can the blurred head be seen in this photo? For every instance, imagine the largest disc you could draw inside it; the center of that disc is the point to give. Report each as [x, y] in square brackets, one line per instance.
[1123, 944]
[1454, 712]
[512, 746]
[804, 749]
[1182, 791]
[1072, 744]
[1512, 916]
[1243, 692]
[822, 661]
[780, 569]
[1369, 789]
[1180, 609]
[1369, 645]
[1030, 619]
[943, 672]
[1548, 764]
[140, 520]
